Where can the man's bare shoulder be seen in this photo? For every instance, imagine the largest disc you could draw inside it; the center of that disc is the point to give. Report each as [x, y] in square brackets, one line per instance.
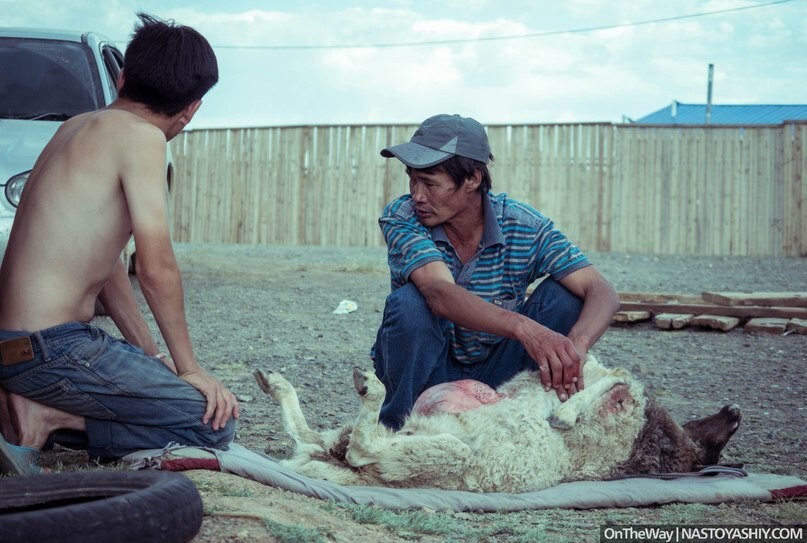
[99, 144]
[107, 132]
[119, 122]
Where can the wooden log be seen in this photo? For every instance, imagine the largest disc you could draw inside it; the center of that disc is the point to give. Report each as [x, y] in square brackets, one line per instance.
[716, 322]
[714, 309]
[796, 326]
[766, 326]
[631, 316]
[767, 299]
[658, 297]
[676, 321]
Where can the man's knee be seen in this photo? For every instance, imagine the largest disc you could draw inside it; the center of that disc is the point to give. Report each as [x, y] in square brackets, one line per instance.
[217, 439]
[554, 306]
[407, 300]
[407, 309]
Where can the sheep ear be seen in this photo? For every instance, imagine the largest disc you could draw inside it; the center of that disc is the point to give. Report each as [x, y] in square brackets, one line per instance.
[616, 399]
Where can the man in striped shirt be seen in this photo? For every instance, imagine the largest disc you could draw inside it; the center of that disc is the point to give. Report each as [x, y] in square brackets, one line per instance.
[461, 259]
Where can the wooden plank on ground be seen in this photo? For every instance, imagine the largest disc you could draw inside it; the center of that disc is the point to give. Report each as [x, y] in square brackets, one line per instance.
[676, 321]
[714, 309]
[716, 322]
[631, 316]
[796, 326]
[659, 297]
[766, 326]
[780, 299]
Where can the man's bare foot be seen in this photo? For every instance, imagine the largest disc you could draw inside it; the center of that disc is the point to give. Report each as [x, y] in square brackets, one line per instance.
[35, 422]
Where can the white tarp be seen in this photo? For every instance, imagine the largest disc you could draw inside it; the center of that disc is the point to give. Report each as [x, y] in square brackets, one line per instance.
[633, 492]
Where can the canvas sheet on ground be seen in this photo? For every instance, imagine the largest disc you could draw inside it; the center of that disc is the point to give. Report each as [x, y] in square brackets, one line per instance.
[633, 492]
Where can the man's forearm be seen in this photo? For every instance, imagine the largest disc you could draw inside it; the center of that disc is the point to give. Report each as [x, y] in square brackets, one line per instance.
[162, 288]
[454, 303]
[598, 310]
[465, 309]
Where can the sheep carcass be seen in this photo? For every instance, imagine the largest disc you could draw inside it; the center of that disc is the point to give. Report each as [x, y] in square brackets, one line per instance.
[520, 438]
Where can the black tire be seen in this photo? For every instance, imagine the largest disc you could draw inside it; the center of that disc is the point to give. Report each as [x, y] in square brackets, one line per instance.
[100, 507]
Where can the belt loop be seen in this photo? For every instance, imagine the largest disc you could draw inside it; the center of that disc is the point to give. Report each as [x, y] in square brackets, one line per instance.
[43, 346]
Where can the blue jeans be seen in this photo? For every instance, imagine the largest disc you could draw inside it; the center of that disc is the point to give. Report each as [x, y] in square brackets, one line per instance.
[412, 347]
[130, 401]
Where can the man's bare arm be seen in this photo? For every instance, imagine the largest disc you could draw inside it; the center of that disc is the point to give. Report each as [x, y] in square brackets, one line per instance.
[600, 302]
[158, 272]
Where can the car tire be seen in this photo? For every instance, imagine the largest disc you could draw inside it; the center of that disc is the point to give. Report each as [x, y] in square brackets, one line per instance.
[96, 507]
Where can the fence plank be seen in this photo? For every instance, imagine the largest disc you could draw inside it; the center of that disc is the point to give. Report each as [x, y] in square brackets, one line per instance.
[629, 188]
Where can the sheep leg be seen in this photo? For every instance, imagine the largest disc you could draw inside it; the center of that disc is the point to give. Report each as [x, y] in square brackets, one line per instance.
[593, 371]
[399, 456]
[367, 434]
[566, 414]
[276, 386]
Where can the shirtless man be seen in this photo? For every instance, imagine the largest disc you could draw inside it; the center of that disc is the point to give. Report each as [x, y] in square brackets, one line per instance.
[98, 181]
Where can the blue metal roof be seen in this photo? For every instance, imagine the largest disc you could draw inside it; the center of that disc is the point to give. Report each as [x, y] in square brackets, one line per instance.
[678, 113]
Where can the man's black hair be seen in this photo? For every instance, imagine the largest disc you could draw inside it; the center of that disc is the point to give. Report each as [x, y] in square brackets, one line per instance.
[167, 66]
[460, 168]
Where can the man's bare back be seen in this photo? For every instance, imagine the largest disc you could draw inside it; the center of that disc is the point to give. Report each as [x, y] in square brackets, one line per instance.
[74, 219]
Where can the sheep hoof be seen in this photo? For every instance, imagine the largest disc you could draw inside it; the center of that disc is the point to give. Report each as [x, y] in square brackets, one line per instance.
[262, 381]
[368, 386]
[271, 383]
[558, 423]
[360, 381]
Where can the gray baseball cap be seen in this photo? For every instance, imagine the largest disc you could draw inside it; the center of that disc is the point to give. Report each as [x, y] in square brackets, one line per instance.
[439, 138]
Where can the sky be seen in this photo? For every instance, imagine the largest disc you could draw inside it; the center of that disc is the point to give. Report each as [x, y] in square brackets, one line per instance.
[324, 62]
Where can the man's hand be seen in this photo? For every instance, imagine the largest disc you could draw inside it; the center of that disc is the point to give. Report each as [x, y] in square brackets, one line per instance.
[221, 403]
[559, 363]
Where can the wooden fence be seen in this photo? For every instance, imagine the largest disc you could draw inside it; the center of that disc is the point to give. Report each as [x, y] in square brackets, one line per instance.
[704, 190]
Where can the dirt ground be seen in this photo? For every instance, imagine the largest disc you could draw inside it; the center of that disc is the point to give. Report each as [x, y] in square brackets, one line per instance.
[272, 307]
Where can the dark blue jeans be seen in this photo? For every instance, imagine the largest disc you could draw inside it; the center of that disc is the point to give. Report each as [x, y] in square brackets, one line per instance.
[129, 401]
[412, 346]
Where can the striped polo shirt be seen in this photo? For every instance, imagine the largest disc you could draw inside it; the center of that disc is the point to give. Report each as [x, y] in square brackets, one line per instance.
[518, 246]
